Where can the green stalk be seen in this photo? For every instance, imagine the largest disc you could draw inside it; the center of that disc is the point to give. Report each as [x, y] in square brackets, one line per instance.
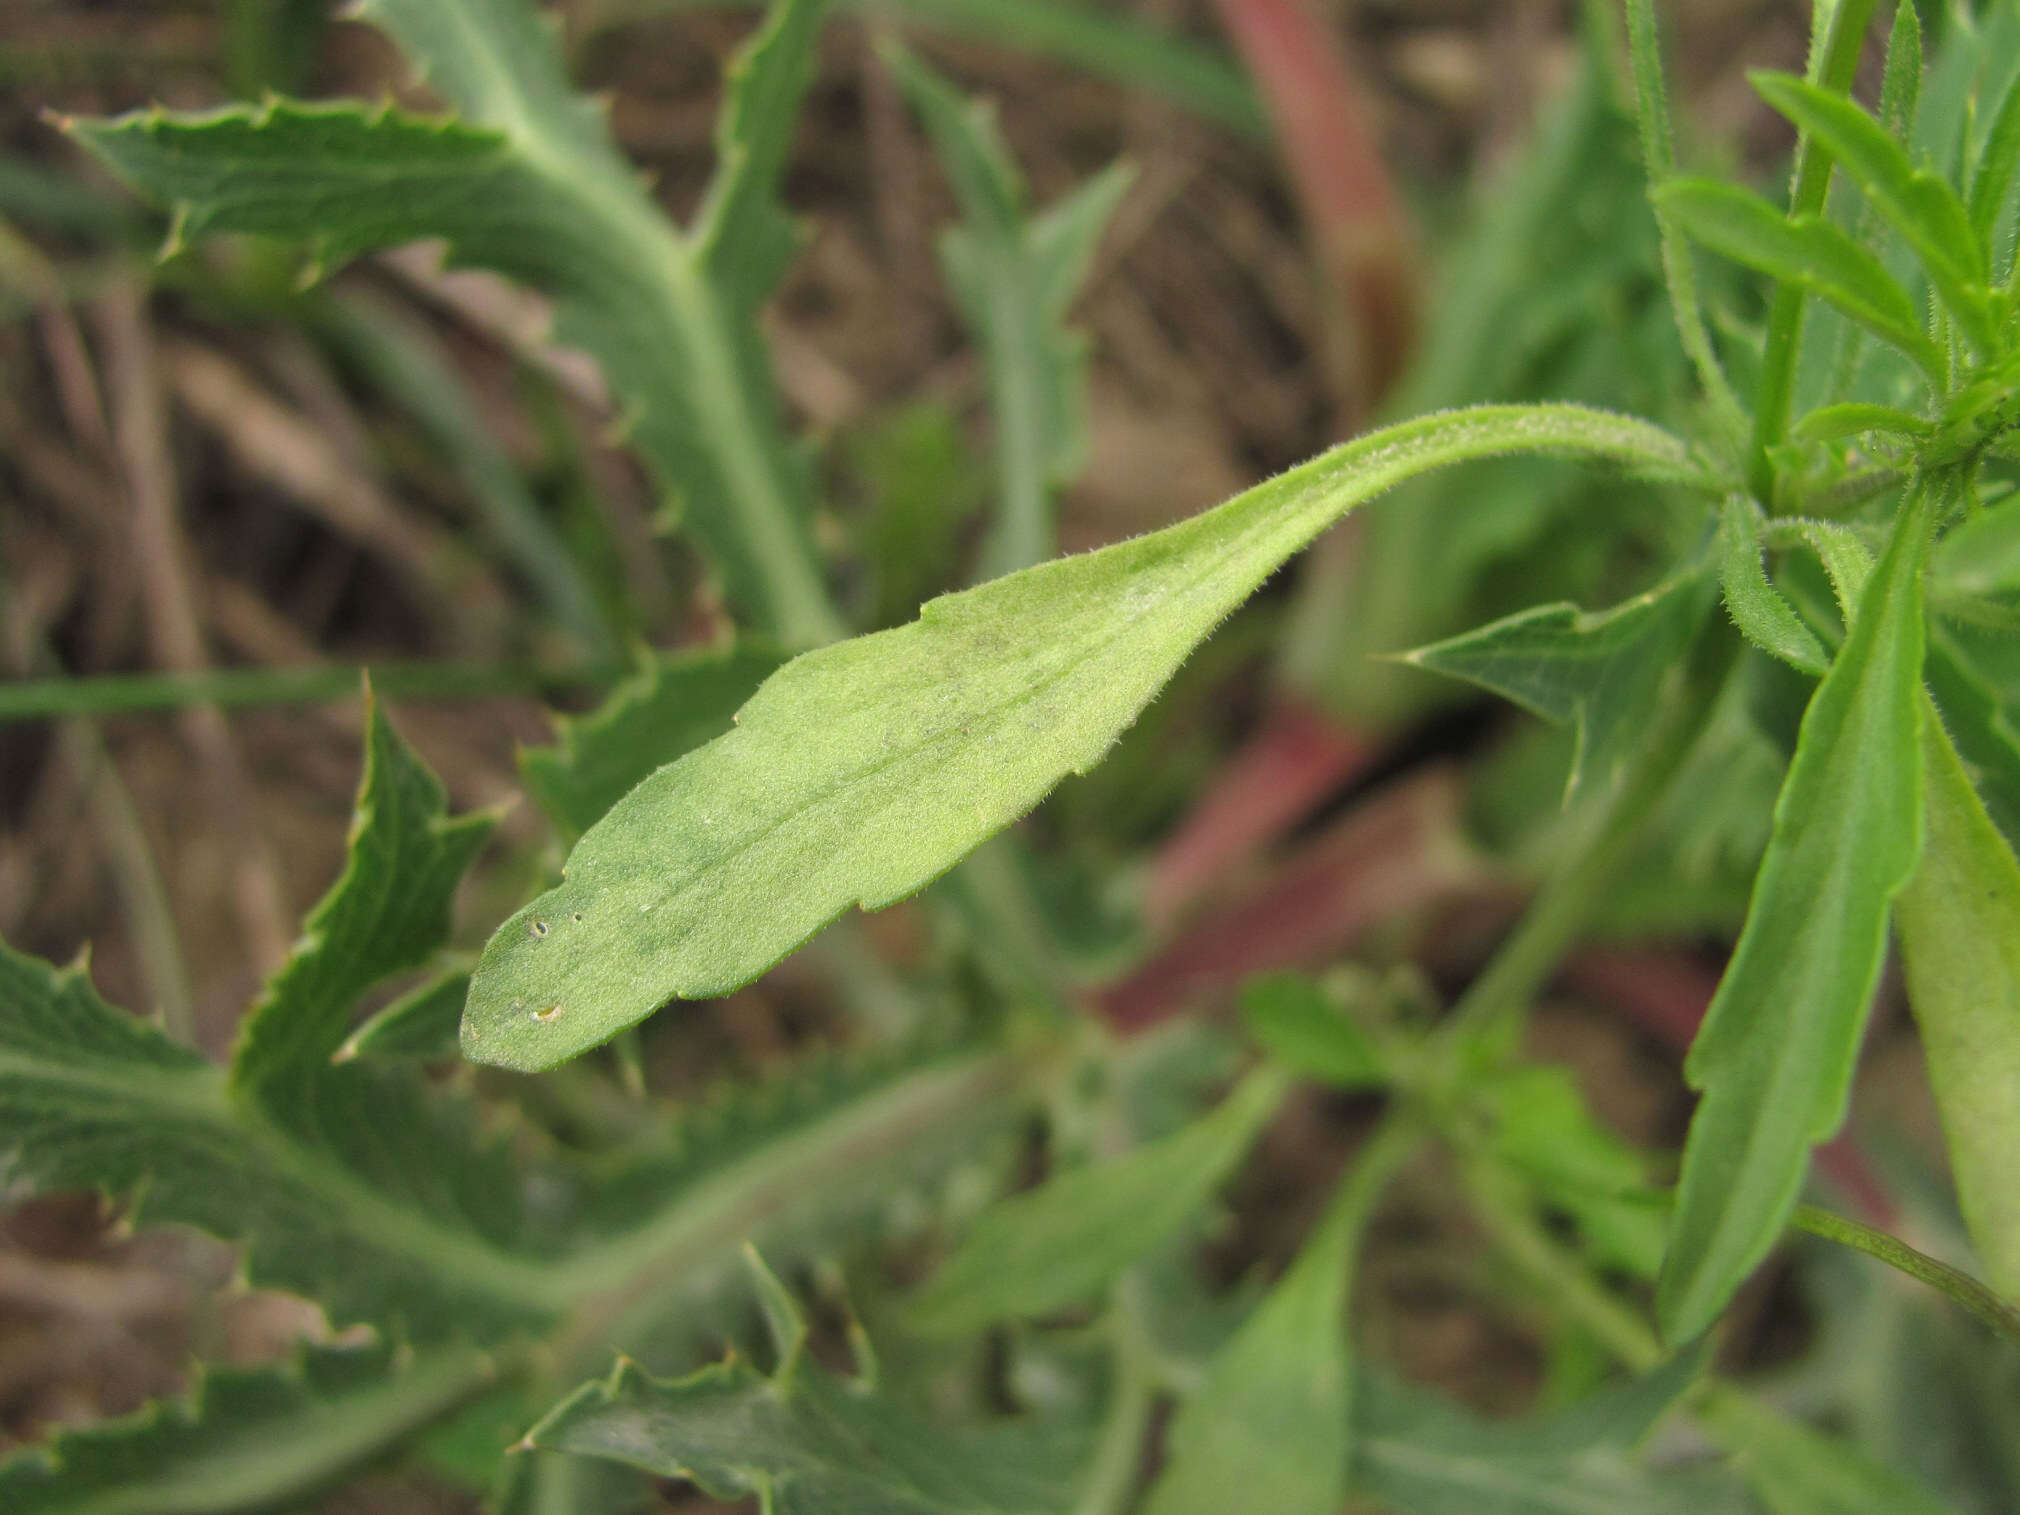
[1834, 59]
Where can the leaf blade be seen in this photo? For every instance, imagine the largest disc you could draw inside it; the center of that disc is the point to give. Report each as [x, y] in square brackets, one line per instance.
[937, 735]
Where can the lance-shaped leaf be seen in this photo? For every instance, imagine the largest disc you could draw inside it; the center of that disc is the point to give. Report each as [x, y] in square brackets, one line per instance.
[1959, 924]
[1998, 161]
[1014, 276]
[526, 181]
[1985, 730]
[674, 703]
[1061, 1243]
[94, 1098]
[1774, 1057]
[244, 1441]
[1921, 208]
[420, 1025]
[806, 1442]
[1797, 1470]
[1600, 672]
[1803, 250]
[860, 772]
[387, 912]
[1416, 1451]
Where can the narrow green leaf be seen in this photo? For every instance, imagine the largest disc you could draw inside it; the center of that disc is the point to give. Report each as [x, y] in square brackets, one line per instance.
[1058, 1244]
[1269, 1427]
[1807, 251]
[805, 1442]
[244, 1440]
[1418, 1452]
[1920, 207]
[389, 911]
[1756, 606]
[1984, 729]
[1901, 79]
[528, 183]
[1014, 277]
[1775, 1054]
[419, 1026]
[1600, 672]
[1799, 1471]
[671, 705]
[1298, 1025]
[860, 772]
[1992, 180]
[1959, 925]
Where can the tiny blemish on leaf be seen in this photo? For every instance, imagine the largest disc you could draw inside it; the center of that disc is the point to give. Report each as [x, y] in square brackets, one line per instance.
[538, 928]
[552, 1012]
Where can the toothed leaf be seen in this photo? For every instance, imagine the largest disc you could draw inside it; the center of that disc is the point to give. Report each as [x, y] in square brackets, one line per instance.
[861, 772]
[1014, 276]
[806, 1442]
[525, 181]
[1599, 672]
[1763, 616]
[243, 1441]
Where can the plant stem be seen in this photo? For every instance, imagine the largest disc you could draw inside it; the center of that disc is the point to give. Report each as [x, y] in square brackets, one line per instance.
[1833, 60]
[1118, 1457]
[1961, 1287]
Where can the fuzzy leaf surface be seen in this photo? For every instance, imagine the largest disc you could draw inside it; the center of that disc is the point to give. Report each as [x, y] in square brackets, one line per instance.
[1920, 207]
[1774, 1056]
[526, 182]
[1759, 609]
[1060, 1243]
[1959, 925]
[1804, 250]
[1014, 275]
[243, 1440]
[674, 703]
[1599, 672]
[860, 772]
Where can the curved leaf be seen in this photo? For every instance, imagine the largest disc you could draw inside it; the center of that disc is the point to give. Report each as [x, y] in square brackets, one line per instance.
[862, 771]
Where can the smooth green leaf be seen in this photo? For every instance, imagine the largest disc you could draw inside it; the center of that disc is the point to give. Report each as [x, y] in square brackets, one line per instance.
[1756, 606]
[1808, 251]
[1542, 1127]
[674, 703]
[1294, 1021]
[1014, 276]
[1992, 180]
[1059, 1244]
[1775, 1054]
[1799, 1471]
[1419, 1453]
[806, 1442]
[1920, 207]
[527, 182]
[1600, 672]
[1959, 926]
[389, 911]
[243, 1440]
[860, 772]
[419, 1026]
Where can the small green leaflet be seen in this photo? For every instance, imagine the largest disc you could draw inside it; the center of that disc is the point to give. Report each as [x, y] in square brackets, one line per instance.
[1014, 275]
[1799, 1471]
[1293, 1020]
[860, 772]
[244, 1440]
[674, 703]
[1763, 616]
[1598, 671]
[806, 1442]
[1922, 208]
[1959, 924]
[1061, 1243]
[421, 1024]
[527, 182]
[1774, 1056]
[1808, 251]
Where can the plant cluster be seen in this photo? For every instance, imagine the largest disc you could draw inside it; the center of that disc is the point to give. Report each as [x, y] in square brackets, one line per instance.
[1799, 728]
